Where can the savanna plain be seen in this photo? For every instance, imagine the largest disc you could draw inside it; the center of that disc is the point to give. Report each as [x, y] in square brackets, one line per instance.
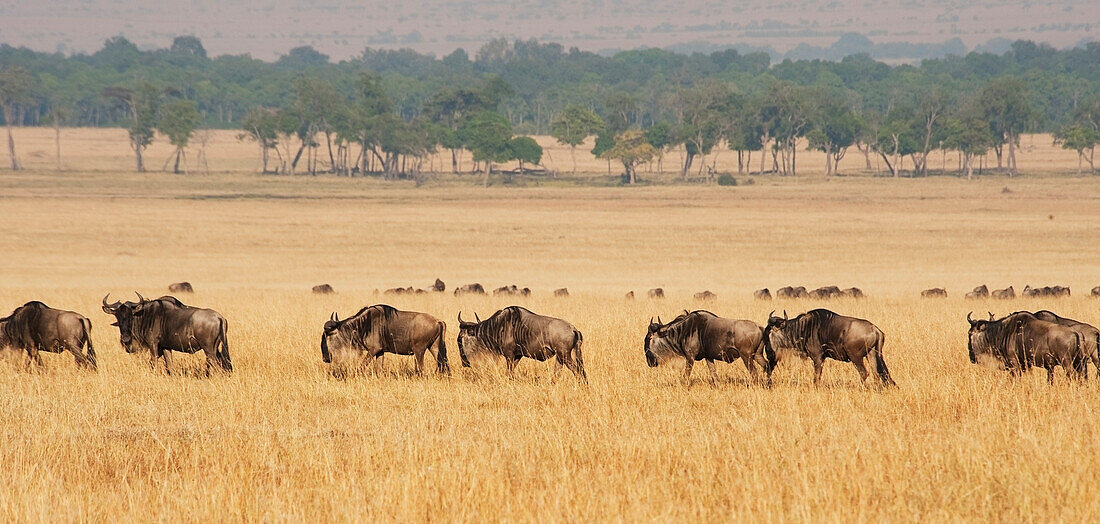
[282, 440]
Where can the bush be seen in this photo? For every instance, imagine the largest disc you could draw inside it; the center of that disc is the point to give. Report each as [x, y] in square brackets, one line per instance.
[726, 179]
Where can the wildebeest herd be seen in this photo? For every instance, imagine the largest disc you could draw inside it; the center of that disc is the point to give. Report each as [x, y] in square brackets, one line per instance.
[161, 326]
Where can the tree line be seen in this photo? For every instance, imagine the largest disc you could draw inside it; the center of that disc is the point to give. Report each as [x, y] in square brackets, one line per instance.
[386, 111]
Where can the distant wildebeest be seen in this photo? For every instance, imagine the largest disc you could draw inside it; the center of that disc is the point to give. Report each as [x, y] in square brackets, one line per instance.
[821, 334]
[630, 295]
[826, 292]
[323, 289]
[656, 293]
[1021, 341]
[979, 292]
[439, 286]
[165, 324]
[705, 296]
[1096, 291]
[400, 291]
[1045, 291]
[512, 291]
[181, 287]
[1004, 294]
[702, 335]
[762, 294]
[470, 289]
[515, 332]
[35, 327]
[375, 330]
[1090, 339]
[792, 292]
[853, 292]
[562, 292]
[936, 292]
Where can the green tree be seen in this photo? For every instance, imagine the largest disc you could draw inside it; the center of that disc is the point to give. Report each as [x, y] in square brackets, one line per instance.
[835, 129]
[573, 126]
[178, 120]
[262, 126]
[16, 86]
[1005, 105]
[1080, 138]
[704, 111]
[142, 104]
[659, 136]
[969, 134]
[487, 135]
[631, 149]
[525, 150]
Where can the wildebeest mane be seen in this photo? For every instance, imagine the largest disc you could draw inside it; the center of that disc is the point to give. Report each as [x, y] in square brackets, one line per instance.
[798, 330]
[360, 324]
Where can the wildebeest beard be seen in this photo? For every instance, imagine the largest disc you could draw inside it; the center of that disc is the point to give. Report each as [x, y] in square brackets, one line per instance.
[354, 331]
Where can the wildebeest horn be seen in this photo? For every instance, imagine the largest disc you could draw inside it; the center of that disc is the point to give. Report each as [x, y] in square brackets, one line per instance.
[109, 307]
[784, 314]
[460, 318]
[650, 320]
[332, 317]
[990, 315]
[772, 314]
[968, 319]
[139, 296]
[659, 320]
[477, 318]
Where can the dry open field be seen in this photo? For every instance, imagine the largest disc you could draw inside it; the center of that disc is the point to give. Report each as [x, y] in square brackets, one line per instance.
[281, 440]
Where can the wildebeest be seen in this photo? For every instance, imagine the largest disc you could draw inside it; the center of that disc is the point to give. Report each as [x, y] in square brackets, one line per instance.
[165, 324]
[35, 327]
[1096, 291]
[702, 335]
[1090, 338]
[181, 287]
[1020, 341]
[470, 289]
[439, 286]
[512, 291]
[656, 293]
[936, 292]
[380, 329]
[979, 292]
[826, 292]
[630, 295]
[1045, 291]
[762, 294]
[705, 296]
[821, 334]
[562, 292]
[1004, 294]
[515, 332]
[323, 289]
[400, 291]
[853, 292]
[791, 292]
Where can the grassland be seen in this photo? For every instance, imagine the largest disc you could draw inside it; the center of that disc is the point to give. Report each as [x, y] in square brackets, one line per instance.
[280, 439]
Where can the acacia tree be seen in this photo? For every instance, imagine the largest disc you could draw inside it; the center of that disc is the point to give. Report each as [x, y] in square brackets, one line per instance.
[573, 126]
[631, 148]
[968, 134]
[142, 104]
[487, 135]
[16, 85]
[1005, 106]
[262, 126]
[178, 120]
[524, 149]
[1079, 138]
[836, 128]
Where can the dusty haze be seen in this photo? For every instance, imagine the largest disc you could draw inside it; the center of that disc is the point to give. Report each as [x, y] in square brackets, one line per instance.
[344, 29]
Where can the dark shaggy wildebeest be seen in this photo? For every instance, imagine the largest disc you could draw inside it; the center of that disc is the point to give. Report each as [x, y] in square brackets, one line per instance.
[936, 292]
[181, 287]
[1096, 291]
[826, 292]
[515, 332]
[656, 293]
[400, 291]
[1045, 291]
[979, 292]
[323, 289]
[792, 292]
[702, 335]
[762, 294]
[375, 330]
[562, 292]
[1004, 294]
[35, 327]
[512, 291]
[470, 289]
[439, 286]
[853, 292]
[705, 296]
[821, 334]
[164, 325]
[1021, 341]
[1090, 339]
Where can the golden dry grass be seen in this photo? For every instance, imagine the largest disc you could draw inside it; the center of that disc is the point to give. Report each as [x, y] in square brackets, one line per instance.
[282, 440]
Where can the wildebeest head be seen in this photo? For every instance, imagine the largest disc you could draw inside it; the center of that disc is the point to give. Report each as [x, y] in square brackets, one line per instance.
[468, 334]
[652, 333]
[364, 331]
[124, 313]
[661, 337]
[330, 331]
[981, 339]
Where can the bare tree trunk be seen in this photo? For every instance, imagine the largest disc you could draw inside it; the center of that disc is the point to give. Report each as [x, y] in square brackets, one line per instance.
[573, 155]
[15, 166]
[57, 141]
[1012, 156]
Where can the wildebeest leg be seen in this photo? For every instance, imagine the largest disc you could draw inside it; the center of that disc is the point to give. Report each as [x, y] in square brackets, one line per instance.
[1050, 373]
[750, 365]
[862, 369]
[688, 362]
[510, 362]
[819, 363]
[33, 357]
[167, 361]
[419, 356]
[713, 372]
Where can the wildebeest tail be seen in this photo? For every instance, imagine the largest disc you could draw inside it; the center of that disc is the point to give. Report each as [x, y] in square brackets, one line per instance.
[223, 347]
[88, 340]
[578, 341]
[441, 349]
[880, 362]
[769, 352]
